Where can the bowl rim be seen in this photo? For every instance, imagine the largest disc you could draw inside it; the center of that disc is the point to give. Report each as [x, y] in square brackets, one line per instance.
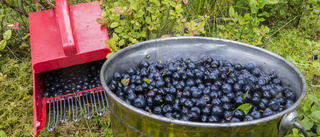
[204, 124]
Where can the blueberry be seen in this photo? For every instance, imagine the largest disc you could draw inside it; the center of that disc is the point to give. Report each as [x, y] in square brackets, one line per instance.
[172, 91]
[204, 118]
[160, 66]
[206, 91]
[282, 100]
[238, 93]
[314, 129]
[160, 83]
[226, 88]
[274, 104]
[186, 94]
[139, 103]
[206, 110]
[315, 57]
[216, 101]
[206, 98]
[217, 111]
[185, 30]
[255, 100]
[176, 76]
[52, 89]
[196, 93]
[247, 87]
[176, 115]
[225, 99]
[267, 112]
[238, 67]
[188, 103]
[139, 89]
[234, 119]
[266, 94]
[260, 81]
[120, 93]
[256, 72]
[289, 95]
[168, 115]
[237, 86]
[248, 118]
[47, 94]
[176, 107]
[238, 101]
[150, 101]
[262, 106]
[289, 103]
[131, 71]
[213, 119]
[250, 67]
[256, 114]
[185, 111]
[190, 74]
[167, 108]
[194, 116]
[213, 94]
[227, 106]
[227, 115]
[140, 96]
[273, 93]
[201, 87]
[157, 110]
[122, 17]
[158, 100]
[185, 118]
[276, 81]
[198, 81]
[144, 64]
[239, 114]
[169, 99]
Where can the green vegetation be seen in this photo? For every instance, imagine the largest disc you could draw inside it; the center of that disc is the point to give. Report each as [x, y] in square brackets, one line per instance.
[289, 28]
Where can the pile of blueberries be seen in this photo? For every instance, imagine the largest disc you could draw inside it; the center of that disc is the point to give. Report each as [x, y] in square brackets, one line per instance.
[202, 90]
[72, 79]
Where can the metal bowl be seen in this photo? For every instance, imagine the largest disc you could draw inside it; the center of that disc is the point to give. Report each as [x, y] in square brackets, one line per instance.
[128, 120]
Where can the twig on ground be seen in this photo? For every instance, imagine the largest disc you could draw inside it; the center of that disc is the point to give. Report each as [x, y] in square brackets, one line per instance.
[34, 10]
[283, 26]
[13, 53]
[217, 28]
[51, 5]
[38, 4]
[277, 31]
[318, 86]
[14, 8]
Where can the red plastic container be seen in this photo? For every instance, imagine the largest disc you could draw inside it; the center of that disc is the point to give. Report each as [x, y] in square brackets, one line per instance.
[63, 37]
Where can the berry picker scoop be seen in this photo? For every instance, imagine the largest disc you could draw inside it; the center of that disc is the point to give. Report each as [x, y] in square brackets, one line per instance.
[60, 38]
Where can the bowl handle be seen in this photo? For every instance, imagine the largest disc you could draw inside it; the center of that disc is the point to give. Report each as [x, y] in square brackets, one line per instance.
[288, 122]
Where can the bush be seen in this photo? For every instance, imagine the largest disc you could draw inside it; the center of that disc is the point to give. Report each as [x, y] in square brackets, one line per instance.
[139, 20]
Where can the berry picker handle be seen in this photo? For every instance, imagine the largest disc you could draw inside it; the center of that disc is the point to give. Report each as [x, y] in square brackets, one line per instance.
[63, 15]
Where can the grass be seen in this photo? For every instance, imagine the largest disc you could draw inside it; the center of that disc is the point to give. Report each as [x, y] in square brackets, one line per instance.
[297, 44]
